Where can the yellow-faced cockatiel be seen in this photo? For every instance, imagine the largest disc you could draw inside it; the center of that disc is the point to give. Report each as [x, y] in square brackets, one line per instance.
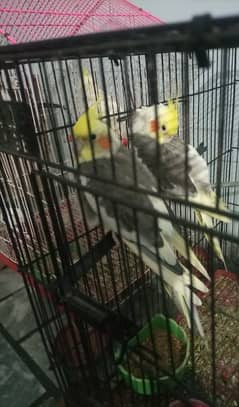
[94, 95]
[154, 238]
[176, 179]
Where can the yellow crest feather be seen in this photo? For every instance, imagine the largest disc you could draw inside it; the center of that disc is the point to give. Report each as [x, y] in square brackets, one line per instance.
[81, 128]
[172, 118]
[173, 109]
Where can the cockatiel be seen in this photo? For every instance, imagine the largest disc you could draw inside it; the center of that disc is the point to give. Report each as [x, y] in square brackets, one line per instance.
[171, 173]
[156, 235]
[99, 98]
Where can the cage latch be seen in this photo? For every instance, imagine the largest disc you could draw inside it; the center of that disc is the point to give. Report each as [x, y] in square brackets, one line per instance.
[200, 25]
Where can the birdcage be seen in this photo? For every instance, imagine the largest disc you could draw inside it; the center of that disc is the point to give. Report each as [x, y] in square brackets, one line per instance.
[96, 227]
[30, 21]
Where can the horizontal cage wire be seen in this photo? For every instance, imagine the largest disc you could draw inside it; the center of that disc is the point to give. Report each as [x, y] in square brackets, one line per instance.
[119, 206]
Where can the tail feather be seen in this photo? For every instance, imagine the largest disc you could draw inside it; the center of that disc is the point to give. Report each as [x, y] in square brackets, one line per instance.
[184, 309]
[195, 299]
[210, 200]
[205, 220]
[177, 285]
[168, 275]
[183, 303]
[189, 278]
[181, 246]
[196, 317]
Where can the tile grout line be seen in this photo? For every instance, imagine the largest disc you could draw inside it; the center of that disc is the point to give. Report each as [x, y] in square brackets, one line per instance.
[43, 379]
[34, 331]
[11, 294]
[37, 403]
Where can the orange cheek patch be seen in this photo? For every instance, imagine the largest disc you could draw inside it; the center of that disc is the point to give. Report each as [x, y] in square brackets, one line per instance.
[104, 142]
[153, 125]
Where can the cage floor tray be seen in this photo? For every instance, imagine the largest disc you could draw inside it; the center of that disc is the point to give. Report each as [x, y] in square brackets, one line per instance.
[226, 293]
[226, 357]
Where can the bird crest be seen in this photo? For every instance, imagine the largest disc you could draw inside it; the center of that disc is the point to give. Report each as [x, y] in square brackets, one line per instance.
[172, 117]
[86, 121]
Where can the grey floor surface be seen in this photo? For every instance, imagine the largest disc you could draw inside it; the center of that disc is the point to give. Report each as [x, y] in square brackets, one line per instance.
[25, 377]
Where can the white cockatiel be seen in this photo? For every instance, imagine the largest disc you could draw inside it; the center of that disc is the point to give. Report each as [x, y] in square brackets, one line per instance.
[148, 235]
[176, 177]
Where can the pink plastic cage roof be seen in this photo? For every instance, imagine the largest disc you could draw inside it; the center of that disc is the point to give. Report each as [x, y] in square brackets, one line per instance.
[30, 20]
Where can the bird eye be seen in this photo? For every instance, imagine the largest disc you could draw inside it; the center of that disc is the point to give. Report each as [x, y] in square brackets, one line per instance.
[163, 127]
[92, 136]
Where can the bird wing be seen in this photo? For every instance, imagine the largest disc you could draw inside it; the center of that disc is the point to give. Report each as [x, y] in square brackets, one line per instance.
[169, 165]
[151, 238]
[155, 234]
[121, 218]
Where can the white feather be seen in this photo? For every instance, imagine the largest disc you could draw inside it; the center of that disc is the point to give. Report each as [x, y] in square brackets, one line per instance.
[177, 240]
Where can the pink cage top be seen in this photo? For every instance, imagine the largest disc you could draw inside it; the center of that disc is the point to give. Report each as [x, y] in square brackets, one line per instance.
[30, 20]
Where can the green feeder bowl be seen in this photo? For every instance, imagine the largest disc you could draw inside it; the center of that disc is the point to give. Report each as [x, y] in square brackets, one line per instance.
[148, 386]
